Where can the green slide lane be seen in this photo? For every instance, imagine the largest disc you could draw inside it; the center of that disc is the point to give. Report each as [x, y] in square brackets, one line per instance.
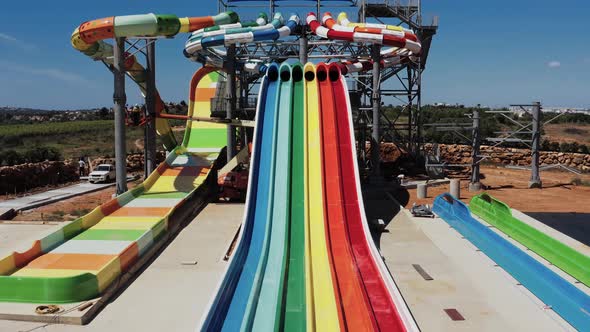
[500, 216]
[295, 313]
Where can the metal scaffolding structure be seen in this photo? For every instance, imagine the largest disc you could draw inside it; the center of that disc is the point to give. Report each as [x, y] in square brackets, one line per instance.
[237, 92]
[404, 80]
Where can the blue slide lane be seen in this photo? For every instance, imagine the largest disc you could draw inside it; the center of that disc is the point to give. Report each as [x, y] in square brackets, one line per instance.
[242, 308]
[217, 314]
[565, 299]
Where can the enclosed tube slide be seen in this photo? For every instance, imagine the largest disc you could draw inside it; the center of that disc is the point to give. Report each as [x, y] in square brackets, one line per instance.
[500, 216]
[568, 301]
[405, 43]
[305, 259]
[337, 32]
[202, 42]
[89, 38]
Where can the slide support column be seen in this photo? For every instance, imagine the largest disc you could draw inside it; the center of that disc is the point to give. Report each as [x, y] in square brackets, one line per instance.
[303, 45]
[474, 184]
[150, 107]
[376, 100]
[230, 100]
[535, 181]
[120, 99]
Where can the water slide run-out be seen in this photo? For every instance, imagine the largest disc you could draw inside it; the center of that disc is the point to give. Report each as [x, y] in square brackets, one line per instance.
[568, 301]
[80, 260]
[305, 259]
[564, 257]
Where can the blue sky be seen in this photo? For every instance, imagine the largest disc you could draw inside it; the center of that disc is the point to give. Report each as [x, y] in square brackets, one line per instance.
[489, 52]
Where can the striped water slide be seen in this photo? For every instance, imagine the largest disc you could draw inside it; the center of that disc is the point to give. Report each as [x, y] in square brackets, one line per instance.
[89, 38]
[305, 260]
[568, 301]
[557, 253]
[404, 43]
[80, 260]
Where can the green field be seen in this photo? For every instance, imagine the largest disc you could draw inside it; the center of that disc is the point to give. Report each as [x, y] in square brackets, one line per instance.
[72, 139]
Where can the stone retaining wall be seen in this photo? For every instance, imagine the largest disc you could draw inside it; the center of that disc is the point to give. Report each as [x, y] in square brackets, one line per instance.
[461, 154]
[20, 178]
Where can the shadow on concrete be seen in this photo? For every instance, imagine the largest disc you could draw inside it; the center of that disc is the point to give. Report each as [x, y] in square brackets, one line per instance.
[380, 204]
[574, 225]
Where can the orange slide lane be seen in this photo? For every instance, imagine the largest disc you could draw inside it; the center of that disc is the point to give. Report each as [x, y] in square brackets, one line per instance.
[357, 312]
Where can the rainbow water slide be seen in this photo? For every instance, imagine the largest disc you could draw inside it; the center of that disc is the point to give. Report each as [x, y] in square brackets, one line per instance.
[80, 260]
[557, 253]
[305, 259]
[568, 301]
[89, 38]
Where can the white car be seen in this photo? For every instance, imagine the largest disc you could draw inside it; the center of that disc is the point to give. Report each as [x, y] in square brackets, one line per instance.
[102, 173]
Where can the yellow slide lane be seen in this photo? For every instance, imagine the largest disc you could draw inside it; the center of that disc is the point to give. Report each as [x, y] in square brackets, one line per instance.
[325, 315]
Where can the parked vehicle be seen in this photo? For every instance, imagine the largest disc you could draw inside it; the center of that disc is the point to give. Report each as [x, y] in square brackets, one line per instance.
[102, 173]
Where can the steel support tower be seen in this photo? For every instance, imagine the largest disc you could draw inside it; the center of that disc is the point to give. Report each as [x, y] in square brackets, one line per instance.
[403, 81]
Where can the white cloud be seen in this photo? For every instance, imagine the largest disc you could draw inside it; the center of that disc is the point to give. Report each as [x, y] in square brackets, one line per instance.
[54, 73]
[16, 42]
[7, 37]
[554, 64]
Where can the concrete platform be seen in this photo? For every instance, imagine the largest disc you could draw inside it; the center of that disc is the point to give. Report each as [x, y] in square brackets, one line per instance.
[463, 278]
[173, 291]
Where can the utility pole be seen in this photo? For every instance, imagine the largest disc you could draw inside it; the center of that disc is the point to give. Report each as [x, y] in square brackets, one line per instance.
[230, 100]
[376, 100]
[150, 108]
[120, 99]
[535, 181]
[474, 184]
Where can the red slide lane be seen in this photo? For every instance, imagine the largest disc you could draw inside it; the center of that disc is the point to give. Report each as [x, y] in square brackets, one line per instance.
[356, 308]
[384, 309]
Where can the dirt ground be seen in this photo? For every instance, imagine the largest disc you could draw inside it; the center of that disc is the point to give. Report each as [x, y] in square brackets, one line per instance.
[567, 133]
[71, 208]
[508, 185]
[511, 187]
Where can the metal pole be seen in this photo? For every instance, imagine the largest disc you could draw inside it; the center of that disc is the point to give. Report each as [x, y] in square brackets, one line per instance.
[150, 106]
[303, 45]
[120, 99]
[230, 100]
[475, 185]
[376, 100]
[535, 181]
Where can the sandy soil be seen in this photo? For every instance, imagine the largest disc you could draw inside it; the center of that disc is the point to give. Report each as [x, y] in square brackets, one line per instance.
[559, 133]
[510, 186]
[71, 208]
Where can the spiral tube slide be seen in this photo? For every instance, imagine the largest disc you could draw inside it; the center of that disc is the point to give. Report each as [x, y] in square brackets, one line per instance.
[81, 260]
[305, 259]
[407, 41]
[500, 216]
[89, 38]
[572, 304]
[203, 42]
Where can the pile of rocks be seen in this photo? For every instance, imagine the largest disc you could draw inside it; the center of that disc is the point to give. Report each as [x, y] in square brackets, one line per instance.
[20, 178]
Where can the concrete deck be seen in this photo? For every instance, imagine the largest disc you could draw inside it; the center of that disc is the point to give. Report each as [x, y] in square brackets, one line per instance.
[52, 196]
[463, 278]
[173, 291]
